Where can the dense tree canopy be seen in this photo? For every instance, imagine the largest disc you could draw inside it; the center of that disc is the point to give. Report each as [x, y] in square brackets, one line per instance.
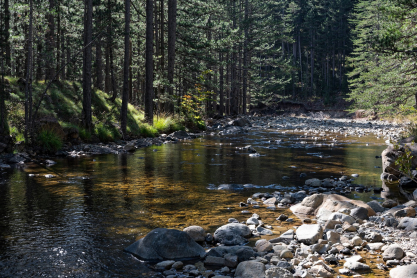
[153, 52]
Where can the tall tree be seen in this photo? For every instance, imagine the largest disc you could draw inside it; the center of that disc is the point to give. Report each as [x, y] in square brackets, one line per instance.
[3, 123]
[6, 35]
[125, 96]
[28, 85]
[172, 27]
[99, 52]
[87, 58]
[149, 92]
[51, 42]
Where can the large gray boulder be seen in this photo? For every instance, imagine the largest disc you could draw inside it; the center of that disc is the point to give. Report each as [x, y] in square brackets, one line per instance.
[232, 234]
[250, 269]
[407, 271]
[166, 244]
[309, 234]
[408, 223]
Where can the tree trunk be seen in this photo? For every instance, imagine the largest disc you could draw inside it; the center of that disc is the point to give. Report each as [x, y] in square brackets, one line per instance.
[233, 81]
[221, 72]
[50, 42]
[172, 26]
[245, 58]
[63, 74]
[149, 63]
[39, 61]
[58, 41]
[130, 71]
[125, 97]
[88, 31]
[109, 42]
[28, 86]
[6, 38]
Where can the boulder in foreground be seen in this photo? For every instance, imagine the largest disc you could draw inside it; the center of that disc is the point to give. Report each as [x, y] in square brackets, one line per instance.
[407, 271]
[166, 244]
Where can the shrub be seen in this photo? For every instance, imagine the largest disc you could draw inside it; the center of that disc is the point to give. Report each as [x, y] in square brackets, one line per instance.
[167, 124]
[85, 135]
[49, 140]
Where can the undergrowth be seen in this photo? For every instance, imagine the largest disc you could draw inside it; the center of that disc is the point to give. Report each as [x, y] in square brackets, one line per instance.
[64, 102]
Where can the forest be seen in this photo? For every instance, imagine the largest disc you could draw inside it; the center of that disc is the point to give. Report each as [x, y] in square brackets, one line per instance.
[204, 58]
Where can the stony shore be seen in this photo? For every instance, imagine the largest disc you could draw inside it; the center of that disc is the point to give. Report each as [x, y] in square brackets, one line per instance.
[338, 237]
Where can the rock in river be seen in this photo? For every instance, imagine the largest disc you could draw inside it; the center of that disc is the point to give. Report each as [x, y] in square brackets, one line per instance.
[309, 234]
[166, 244]
[250, 269]
[232, 234]
[404, 271]
[231, 186]
[196, 232]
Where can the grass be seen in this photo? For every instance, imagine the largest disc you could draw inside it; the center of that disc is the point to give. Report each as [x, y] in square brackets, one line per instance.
[49, 140]
[167, 124]
[64, 102]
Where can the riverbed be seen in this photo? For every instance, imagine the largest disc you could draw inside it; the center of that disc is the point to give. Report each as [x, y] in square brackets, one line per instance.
[76, 222]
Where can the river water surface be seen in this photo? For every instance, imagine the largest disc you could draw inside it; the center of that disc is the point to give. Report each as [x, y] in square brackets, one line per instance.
[77, 223]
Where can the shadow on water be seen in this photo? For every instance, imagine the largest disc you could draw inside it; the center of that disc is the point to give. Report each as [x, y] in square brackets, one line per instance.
[77, 223]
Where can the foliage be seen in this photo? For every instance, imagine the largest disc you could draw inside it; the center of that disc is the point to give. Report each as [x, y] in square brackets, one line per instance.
[106, 133]
[167, 124]
[383, 75]
[49, 140]
[193, 103]
[147, 130]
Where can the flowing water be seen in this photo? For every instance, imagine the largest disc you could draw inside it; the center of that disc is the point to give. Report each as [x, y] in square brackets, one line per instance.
[77, 223]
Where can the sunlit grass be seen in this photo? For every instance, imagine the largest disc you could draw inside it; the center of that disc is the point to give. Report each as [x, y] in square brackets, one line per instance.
[63, 101]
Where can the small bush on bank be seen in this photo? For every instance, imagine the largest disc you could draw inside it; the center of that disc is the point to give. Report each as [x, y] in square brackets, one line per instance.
[49, 140]
[85, 135]
[167, 124]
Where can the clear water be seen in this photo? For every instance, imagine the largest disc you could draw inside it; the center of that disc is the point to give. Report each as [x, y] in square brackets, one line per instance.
[78, 223]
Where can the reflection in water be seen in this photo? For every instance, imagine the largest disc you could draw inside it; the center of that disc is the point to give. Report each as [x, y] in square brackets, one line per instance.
[78, 223]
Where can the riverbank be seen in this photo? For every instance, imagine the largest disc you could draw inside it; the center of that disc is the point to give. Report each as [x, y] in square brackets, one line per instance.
[315, 128]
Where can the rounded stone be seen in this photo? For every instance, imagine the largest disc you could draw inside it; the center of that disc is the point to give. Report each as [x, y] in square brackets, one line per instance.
[196, 232]
[393, 252]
